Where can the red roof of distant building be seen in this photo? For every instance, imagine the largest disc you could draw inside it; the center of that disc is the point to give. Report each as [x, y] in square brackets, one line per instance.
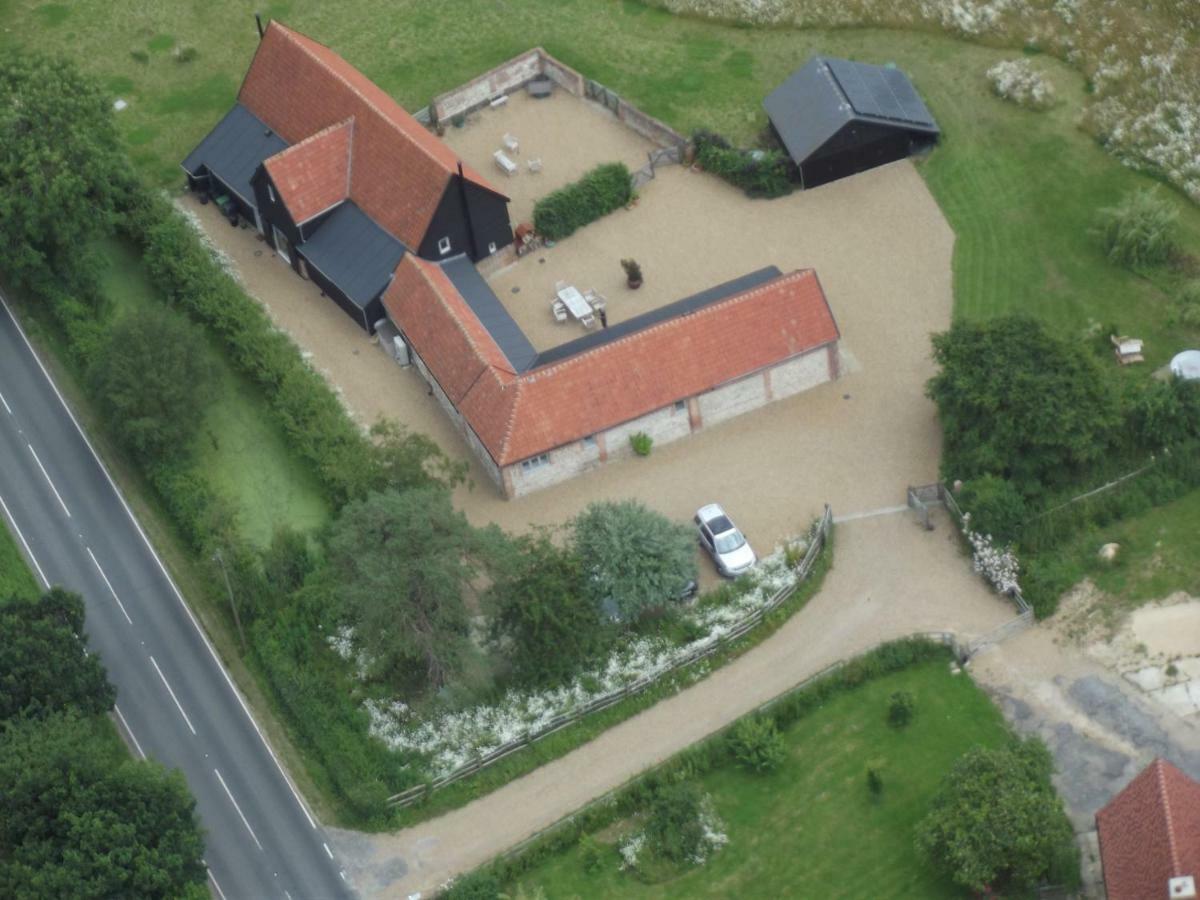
[519, 416]
[1150, 833]
[398, 170]
[314, 175]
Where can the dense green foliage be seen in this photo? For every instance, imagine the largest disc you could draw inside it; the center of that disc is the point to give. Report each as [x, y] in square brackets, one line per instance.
[152, 380]
[636, 559]
[16, 581]
[997, 507]
[546, 623]
[756, 744]
[61, 172]
[674, 825]
[604, 189]
[997, 822]
[402, 563]
[1139, 231]
[80, 821]
[1017, 402]
[44, 664]
[760, 173]
[902, 706]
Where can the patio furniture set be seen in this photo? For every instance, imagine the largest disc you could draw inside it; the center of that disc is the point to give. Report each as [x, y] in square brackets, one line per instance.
[504, 161]
[583, 306]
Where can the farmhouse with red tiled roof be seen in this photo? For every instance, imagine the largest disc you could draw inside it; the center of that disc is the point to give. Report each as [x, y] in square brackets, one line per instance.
[338, 177]
[1150, 836]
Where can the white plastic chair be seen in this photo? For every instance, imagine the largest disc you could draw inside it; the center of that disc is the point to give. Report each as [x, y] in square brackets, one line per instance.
[559, 287]
[588, 321]
[535, 164]
[511, 143]
[560, 311]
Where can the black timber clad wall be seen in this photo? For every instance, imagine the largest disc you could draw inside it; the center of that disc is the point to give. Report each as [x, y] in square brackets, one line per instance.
[274, 213]
[489, 220]
[858, 146]
[215, 187]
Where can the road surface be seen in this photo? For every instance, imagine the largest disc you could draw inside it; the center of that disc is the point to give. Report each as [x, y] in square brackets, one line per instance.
[174, 699]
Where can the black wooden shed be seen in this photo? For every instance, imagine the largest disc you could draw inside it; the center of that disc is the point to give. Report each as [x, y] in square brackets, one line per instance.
[838, 118]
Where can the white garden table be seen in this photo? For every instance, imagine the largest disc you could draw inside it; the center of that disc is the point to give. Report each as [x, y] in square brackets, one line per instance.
[574, 301]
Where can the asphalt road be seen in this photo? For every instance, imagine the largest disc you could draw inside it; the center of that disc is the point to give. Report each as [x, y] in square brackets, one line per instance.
[174, 698]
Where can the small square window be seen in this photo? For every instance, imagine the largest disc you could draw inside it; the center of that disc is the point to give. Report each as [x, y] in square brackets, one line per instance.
[492, 247]
[680, 405]
[589, 441]
[444, 246]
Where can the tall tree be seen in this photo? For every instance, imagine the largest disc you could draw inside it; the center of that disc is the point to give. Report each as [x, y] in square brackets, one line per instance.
[549, 625]
[402, 564]
[634, 559]
[61, 171]
[996, 821]
[153, 379]
[44, 665]
[80, 819]
[1020, 403]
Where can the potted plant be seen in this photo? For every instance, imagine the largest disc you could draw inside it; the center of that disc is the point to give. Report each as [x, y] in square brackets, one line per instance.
[633, 273]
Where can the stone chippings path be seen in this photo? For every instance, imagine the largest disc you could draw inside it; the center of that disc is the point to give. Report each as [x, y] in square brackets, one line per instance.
[890, 578]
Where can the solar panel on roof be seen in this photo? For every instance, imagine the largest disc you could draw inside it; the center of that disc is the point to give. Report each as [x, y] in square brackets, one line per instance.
[879, 92]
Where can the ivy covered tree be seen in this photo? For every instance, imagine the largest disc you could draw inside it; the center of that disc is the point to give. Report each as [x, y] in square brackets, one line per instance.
[549, 626]
[153, 379]
[634, 559]
[81, 819]
[1019, 403]
[401, 567]
[996, 822]
[44, 665]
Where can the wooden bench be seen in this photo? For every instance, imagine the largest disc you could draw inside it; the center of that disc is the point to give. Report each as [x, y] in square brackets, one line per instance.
[506, 165]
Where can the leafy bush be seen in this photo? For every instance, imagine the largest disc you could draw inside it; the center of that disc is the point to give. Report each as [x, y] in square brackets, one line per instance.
[633, 271]
[186, 54]
[680, 825]
[1189, 304]
[641, 443]
[604, 189]
[996, 821]
[757, 745]
[1138, 232]
[874, 783]
[591, 854]
[759, 173]
[902, 706]
[482, 885]
[996, 507]
[1017, 80]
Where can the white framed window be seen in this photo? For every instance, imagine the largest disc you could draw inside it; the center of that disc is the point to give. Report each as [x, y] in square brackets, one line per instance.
[270, 192]
[492, 247]
[444, 246]
[680, 405]
[535, 462]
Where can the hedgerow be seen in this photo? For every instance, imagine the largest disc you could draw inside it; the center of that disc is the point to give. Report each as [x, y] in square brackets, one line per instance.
[760, 173]
[604, 189]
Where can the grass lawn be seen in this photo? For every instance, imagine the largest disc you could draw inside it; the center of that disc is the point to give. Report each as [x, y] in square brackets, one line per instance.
[811, 829]
[15, 578]
[240, 451]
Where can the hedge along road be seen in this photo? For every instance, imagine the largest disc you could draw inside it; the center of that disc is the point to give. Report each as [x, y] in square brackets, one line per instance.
[890, 578]
[175, 701]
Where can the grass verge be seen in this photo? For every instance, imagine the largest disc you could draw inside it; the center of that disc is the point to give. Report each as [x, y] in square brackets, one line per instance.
[15, 578]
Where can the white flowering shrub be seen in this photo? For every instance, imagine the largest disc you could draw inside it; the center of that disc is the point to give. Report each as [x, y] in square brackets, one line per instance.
[1017, 80]
[452, 739]
[683, 829]
[219, 256]
[1000, 567]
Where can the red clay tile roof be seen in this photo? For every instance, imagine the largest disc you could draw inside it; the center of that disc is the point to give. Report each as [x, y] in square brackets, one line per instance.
[314, 175]
[516, 417]
[1150, 833]
[398, 172]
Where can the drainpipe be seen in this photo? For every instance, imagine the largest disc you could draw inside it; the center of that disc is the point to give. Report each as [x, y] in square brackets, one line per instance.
[258, 22]
[466, 208]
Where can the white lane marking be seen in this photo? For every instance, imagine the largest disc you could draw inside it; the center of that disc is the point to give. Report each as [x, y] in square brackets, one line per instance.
[24, 543]
[162, 568]
[286, 894]
[129, 731]
[109, 584]
[6, 406]
[57, 495]
[178, 705]
[229, 794]
[213, 879]
[327, 850]
[343, 874]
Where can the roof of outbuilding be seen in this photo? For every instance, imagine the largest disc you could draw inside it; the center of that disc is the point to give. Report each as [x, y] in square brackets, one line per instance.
[1150, 833]
[824, 94]
[234, 149]
[519, 415]
[314, 175]
[398, 169]
[354, 252]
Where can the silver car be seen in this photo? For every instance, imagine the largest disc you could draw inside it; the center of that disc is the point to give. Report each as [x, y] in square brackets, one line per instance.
[724, 542]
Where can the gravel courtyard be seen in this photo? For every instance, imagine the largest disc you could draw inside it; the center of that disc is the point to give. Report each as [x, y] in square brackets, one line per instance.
[882, 250]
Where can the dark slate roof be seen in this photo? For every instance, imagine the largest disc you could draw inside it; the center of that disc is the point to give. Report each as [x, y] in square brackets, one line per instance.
[353, 252]
[674, 310]
[234, 149]
[816, 100]
[491, 312]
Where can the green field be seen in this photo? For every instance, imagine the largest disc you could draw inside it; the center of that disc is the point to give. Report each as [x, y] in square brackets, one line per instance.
[15, 578]
[240, 451]
[811, 829]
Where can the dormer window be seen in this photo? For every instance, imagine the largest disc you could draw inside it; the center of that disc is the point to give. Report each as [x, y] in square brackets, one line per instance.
[444, 246]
